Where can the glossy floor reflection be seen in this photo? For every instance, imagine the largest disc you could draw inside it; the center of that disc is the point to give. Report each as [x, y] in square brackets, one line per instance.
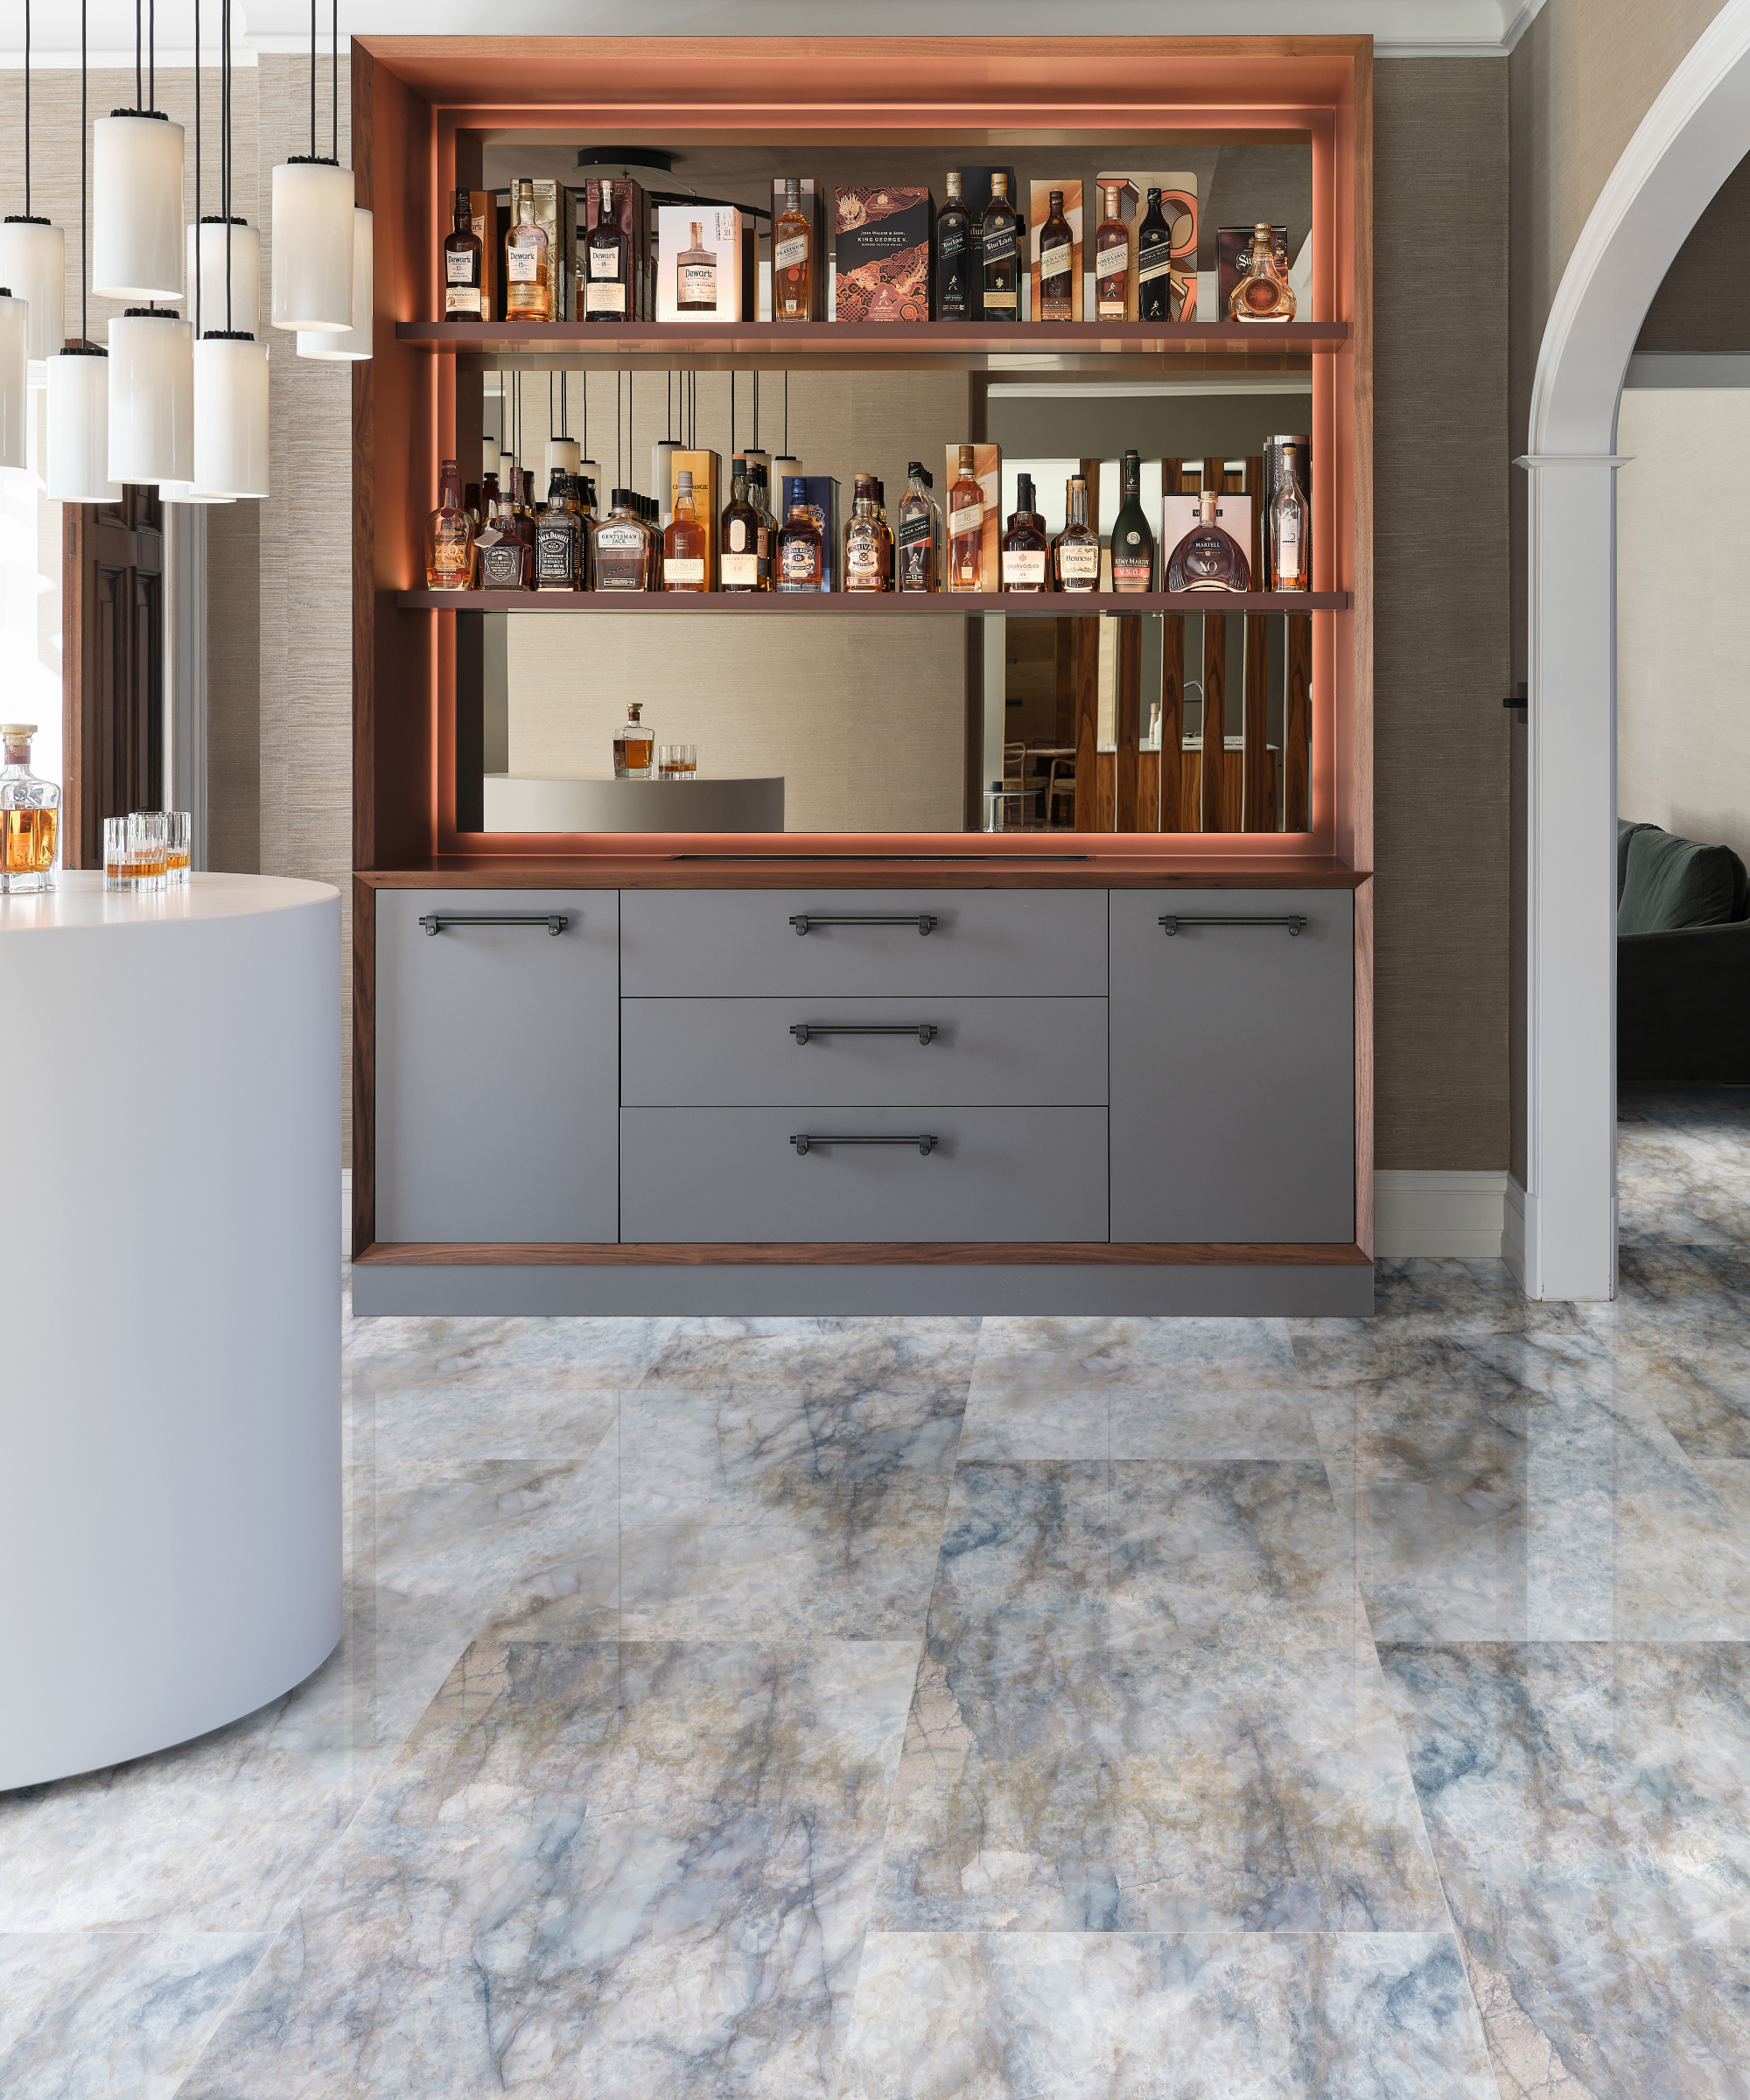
[948, 1710]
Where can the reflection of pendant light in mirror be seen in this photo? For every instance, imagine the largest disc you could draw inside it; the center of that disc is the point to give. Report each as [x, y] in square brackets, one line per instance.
[15, 377]
[151, 395]
[347, 346]
[661, 455]
[136, 194]
[79, 388]
[230, 366]
[33, 255]
[313, 230]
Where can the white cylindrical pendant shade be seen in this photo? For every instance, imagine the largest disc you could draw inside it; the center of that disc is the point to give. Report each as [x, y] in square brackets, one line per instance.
[15, 379]
[33, 262]
[186, 491]
[663, 475]
[245, 277]
[231, 417]
[151, 398]
[79, 429]
[350, 345]
[489, 459]
[562, 456]
[313, 246]
[136, 208]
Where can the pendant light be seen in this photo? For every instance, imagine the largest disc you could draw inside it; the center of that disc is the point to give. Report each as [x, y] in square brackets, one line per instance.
[312, 233]
[586, 469]
[79, 390]
[151, 395]
[230, 366]
[182, 490]
[136, 193]
[33, 255]
[207, 253]
[661, 455]
[15, 377]
[353, 344]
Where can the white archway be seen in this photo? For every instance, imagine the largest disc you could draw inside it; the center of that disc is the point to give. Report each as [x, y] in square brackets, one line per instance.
[1696, 133]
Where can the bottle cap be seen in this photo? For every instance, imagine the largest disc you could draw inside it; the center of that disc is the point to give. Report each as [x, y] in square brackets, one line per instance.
[683, 482]
[738, 465]
[954, 182]
[967, 458]
[1000, 183]
[562, 455]
[14, 731]
[1024, 491]
[914, 467]
[1056, 201]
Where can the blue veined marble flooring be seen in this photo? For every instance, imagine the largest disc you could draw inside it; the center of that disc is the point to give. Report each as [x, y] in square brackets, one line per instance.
[947, 1710]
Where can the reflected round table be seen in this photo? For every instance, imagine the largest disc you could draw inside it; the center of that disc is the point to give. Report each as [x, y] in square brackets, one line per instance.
[170, 1250]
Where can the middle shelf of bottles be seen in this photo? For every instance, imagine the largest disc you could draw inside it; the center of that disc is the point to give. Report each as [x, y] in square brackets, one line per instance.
[961, 604]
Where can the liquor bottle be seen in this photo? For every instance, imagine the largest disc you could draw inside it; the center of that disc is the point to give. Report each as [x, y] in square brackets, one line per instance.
[608, 287]
[953, 256]
[793, 257]
[683, 543]
[1132, 541]
[527, 262]
[1207, 559]
[558, 539]
[885, 534]
[966, 526]
[634, 744]
[738, 564]
[863, 550]
[1057, 251]
[450, 537]
[463, 255]
[1001, 296]
[765, 535]
[30, 815]
[507, 547]
[1024, 545]
[1075, 551]
[1111, 261]
[802, 556]
[696, 276]
[919, 519]
[620, 550]
[1154, 263]
[1263, 293]
[1288, 538]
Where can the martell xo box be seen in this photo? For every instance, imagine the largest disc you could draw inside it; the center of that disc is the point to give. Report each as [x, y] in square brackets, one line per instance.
[1039, 213]
[818, 495]
[881, 253]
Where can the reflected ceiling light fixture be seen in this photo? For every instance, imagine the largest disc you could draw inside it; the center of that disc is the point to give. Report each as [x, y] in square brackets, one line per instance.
[79, 390]
[230, 366]
[347, 346]
[313, 232]
[785, 463]
[182, 490]
[33, 255]
[662, 459]
[136, 191]
[15, 377]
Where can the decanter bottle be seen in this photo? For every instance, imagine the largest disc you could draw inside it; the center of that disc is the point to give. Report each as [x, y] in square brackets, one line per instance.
[1207, 559]
[634, 744]
[450, 537]
[30, 815]
[1264, 293]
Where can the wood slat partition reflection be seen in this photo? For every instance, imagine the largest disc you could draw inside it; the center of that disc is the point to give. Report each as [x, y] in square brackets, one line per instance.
[1212, 801]
[1085, 655]
[1297, 726]
[1127, 725]
[1168, 803]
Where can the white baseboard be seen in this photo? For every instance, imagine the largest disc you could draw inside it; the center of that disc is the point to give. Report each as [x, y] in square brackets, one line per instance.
[1436, 1212]
[1512, 1242]
[346, 1213]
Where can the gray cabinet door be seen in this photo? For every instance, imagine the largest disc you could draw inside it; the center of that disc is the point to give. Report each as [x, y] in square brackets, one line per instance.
[1232, 1067]
[498, 1067]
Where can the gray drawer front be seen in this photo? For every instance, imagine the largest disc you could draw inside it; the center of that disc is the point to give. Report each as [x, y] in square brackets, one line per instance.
[697, 1052]
[1233, 1068]
[726, 943]
[497, 1059]
[731, 1174]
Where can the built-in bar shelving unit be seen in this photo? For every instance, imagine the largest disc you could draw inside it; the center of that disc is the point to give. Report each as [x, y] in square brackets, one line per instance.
[958, 605]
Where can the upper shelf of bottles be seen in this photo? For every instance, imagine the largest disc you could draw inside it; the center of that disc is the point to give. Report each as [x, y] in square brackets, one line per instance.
[801, 346]
[1061, 604]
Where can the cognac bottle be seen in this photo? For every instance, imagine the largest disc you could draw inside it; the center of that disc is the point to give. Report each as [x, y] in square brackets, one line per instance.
[1111, 261]
[1207, 559]
[450, 537]
[1263, 293]
[1075, 551]
[1154, 263]
[792, 243]
[30, 815]
[918, 528]
[684, 541]
[1057, 251]
[1132, 540]
[999, 239]
[953, 256]
[1289, 538]
[1024, 549]
[527, 262]
[463, 253]
[607, 263]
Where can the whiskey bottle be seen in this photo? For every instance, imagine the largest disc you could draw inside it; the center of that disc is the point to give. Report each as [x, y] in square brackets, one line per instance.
[463, 253]
[966, 526]
[620, 548]
[919, 520]
[607, 261]
[1288, 539]
[1023, 550]
[696, 276]
[884, 535]
[450, 537]
[634, 744]
[1263, 293]
[765, 535]
[801, 554]
[507, 547]
[1057, 251]
[1207, 559]
[998, 225]
[683, 543]
[527, 262]
[30, 815]
[1132, 540]
[953, 256]
[863, 547]
[1075, 551]
[793, 258]
[557, 538]
[738, 562]
[1154, 263]
[1111, 261]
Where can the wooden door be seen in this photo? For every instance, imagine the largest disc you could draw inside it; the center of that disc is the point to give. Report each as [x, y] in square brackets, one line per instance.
[113, 667]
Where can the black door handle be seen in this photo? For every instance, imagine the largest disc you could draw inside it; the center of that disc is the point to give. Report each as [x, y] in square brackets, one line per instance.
[1171, 925]
[805, 1031]
[434, 922]
[805, 921]
[802, 1140]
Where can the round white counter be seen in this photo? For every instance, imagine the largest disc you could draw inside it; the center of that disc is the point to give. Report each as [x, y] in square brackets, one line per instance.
[170, 1250]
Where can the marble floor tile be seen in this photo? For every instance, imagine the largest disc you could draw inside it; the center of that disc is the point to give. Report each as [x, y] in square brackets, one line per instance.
[1590, 1810]
[85, 2014]
[617, 1870]
[606, 1352]
[397, 1415]
[1719, 1117]
[1676, 1187]
[1141, 1707]
[1421, 1297]
[826, 1360]
[466, 1531]
[1131, 2016]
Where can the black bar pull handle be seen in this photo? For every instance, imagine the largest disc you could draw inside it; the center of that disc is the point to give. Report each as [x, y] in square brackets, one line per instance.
[925, 1141]
[1294, 923]
[805, 1031]
[434, 922]
[805, 921]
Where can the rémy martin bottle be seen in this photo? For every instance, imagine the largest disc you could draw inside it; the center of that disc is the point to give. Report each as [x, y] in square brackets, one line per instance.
[1132, 541]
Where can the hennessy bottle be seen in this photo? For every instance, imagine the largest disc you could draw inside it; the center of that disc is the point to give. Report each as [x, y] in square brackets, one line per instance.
[1207, 559]
[1075, 551]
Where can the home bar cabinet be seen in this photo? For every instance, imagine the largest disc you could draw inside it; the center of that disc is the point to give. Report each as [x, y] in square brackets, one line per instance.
[866, 1055]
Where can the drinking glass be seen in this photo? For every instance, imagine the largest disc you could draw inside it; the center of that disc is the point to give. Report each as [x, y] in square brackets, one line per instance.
[118, 870]
[146, 851]
[677, 762]
[176, 831]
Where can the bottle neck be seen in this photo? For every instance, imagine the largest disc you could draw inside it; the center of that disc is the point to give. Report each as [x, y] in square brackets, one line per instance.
[525, 211]
[683, 505]
[465, 217]
[1078, 503]
[737, 492]
[1206, 506]
[17, 755]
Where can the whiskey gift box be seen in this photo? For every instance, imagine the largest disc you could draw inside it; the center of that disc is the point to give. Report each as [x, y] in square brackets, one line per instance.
[987, 465]
[705, 258]
[881, 253]
[818, 495]
[1178, 207]
[1234, 261]
[555, 209]
[1039, 212]
[632, 215]
[974, 192]
[706, 468]
[813, 210]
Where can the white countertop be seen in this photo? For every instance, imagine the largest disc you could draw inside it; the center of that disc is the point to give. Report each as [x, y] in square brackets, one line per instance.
[81, 900]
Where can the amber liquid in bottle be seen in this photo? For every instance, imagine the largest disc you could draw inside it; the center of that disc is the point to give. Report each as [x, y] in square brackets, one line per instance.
[1025, 553]
[1075, 551]
[684, 542]
[603, 293]
[863, 566]
[738, 532]
[966, 528]
[450, 537]
[1111, 261]
[999, 234]
[1057, 254]
[463, 253]
[793, 244]
[634, 746]
[526, 265]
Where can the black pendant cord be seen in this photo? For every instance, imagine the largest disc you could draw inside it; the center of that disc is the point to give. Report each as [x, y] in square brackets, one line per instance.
[619, 478]
[225, 151]
[756, 411]
[628, 416]
[138, 104]
[563, 429]
[151, 54]
[27, 109]
[84, 271]
[731, 416]
[334, 78]
[787, 415]
[312, 78]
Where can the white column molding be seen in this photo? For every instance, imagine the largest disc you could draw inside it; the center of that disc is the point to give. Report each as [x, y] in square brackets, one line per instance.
[184, 712]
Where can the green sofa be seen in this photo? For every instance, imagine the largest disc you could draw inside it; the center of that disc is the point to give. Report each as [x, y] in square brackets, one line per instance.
[1682, 959]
